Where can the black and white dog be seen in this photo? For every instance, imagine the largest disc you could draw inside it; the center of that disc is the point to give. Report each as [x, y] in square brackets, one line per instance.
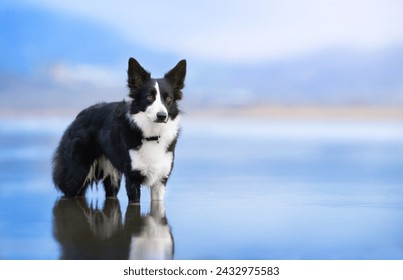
[135, 138]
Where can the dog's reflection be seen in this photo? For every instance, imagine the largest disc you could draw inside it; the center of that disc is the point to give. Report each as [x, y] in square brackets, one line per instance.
[86, 231]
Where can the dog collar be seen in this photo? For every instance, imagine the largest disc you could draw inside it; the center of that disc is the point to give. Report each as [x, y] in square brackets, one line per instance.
[153, 138]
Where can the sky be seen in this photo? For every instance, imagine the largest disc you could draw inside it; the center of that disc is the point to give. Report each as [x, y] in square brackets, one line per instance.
[238, 52]
[245, 31]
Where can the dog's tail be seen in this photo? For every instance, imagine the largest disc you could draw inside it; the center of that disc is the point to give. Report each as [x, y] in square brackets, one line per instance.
[71, 164]
[59, 169]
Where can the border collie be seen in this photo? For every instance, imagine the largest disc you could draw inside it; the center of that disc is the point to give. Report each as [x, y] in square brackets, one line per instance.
[134, 138]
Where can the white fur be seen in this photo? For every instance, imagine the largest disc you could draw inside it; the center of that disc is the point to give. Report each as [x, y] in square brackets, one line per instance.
[156, 106]
[152, 159]
[102, 163]
[168, 130]
[157, 192]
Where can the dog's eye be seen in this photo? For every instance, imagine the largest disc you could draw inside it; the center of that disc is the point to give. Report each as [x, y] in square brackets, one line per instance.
[168, 100]
[150, 98]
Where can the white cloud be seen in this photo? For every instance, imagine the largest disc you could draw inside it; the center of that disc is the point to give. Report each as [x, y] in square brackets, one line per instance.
[246, 30]
[83, 73]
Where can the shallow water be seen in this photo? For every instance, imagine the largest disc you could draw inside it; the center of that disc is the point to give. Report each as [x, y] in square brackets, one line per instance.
[279, 189]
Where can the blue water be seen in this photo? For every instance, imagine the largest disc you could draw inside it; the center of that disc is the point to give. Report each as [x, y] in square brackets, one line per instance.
[240, 189]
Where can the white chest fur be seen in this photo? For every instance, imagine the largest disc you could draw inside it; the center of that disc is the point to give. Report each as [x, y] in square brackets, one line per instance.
[152, 159]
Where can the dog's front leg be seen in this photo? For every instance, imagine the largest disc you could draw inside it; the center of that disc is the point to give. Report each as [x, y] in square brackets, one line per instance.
[133, 184]
[158, 192]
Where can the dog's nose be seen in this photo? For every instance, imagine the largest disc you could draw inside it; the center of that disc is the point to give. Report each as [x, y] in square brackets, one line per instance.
[161, 116]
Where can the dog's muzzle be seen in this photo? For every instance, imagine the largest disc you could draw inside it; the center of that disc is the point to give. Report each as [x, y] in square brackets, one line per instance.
[162, 117]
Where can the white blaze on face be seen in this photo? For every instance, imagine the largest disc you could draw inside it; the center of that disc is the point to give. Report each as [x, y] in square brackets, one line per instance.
[156, 106]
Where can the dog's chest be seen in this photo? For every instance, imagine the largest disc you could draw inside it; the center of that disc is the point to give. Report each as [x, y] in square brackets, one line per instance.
[152, 160]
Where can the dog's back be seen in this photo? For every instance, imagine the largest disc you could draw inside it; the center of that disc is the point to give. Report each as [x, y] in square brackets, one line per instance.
[80, 146]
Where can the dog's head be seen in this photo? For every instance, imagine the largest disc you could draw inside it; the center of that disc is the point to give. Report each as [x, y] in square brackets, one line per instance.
[156, 98]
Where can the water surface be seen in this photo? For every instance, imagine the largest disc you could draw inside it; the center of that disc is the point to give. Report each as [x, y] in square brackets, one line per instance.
[240, 189]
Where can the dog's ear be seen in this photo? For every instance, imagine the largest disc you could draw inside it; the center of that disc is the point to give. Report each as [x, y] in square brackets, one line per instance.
[177, 77]
[136, 75]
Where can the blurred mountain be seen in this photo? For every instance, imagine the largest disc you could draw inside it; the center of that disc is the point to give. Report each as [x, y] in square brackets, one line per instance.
[330, 77]
[56, 61]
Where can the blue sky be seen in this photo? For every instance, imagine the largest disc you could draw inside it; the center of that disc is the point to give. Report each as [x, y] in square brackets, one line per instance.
[245, 30]
[250, 51]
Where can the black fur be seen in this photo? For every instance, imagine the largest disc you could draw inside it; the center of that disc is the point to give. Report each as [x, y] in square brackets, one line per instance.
[106, 131]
